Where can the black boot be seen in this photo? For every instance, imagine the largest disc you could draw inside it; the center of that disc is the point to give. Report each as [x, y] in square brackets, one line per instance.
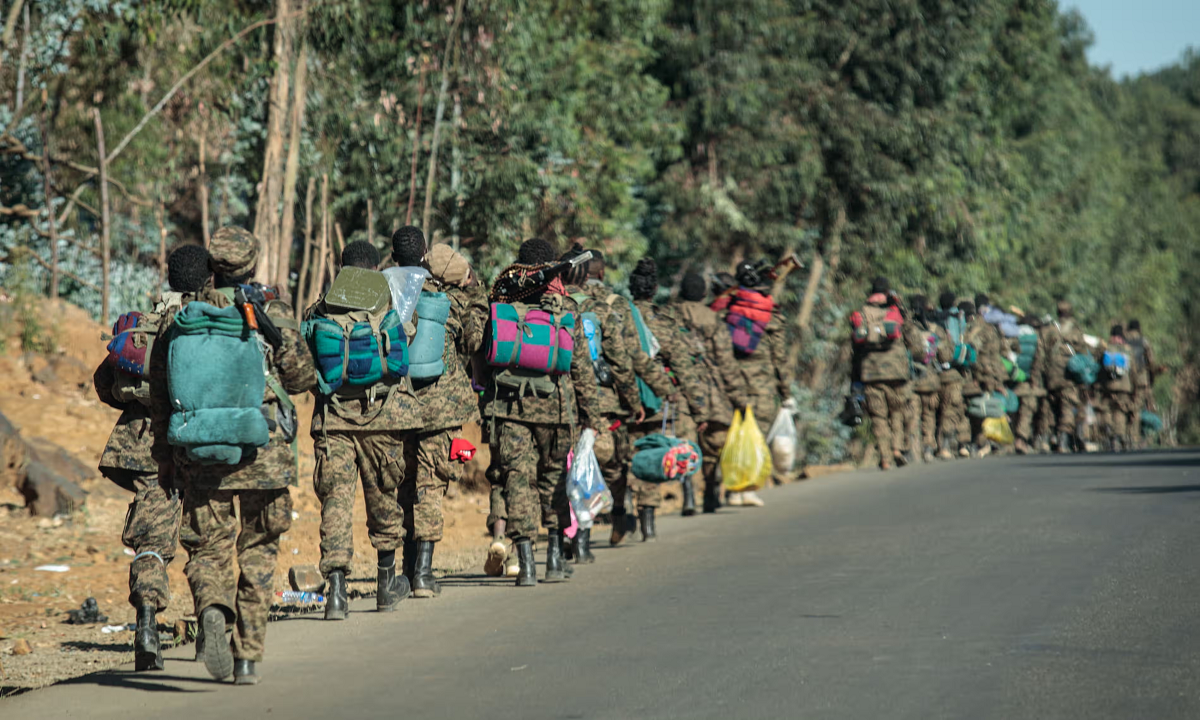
[570, 549]
[218, 658]
[409, 560]
[147, 651]
[244, 673]
[689, 498]
[583, 546]
[527, 575]
[646, 515]
[390, 588]
[618, 526]
[712, 496]
[337, 602]
[554, 558]
[423, 584]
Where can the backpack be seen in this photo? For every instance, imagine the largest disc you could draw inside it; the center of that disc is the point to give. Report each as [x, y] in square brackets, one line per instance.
[129, 354]
[356, 349]
[876, 328]
[964, 355]
[1083, 368]
[1116, 363]
[595, 338]
[749, 313]
[428, 344]
[1028, 340]
[1137, 354]
[987, 406]
[533, 345]
[216, 380]
[653, 403]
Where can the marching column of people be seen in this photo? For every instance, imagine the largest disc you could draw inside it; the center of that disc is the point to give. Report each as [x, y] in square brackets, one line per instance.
[399, 359]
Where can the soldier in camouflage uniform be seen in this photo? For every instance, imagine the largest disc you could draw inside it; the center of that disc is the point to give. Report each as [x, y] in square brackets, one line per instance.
[447, 403]
[766, 374]
[1117, 403]
[357, 437]
[532, 432]
[619, 398]
[152, 522]
[1144, 372]
[884, 372]
[954, 432]
[988, 373]
[1063, 339]
[673, 354]
[929, 347]
[712, 353]
[233, 512]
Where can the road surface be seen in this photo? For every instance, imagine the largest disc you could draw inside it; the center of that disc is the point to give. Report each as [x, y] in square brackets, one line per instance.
[1038, 587]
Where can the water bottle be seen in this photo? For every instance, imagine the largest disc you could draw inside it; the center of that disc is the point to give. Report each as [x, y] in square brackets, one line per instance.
[295, 596]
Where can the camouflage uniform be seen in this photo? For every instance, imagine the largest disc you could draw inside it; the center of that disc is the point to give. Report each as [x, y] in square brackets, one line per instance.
[531, 436]
[1143, 377]
[1118, 412]
[152, 522]
[988, 372]
[217, 534]
[712, 352]
[1064, 393]
[884, 374]
[1029, 393]
[952, 407]
[927, 381]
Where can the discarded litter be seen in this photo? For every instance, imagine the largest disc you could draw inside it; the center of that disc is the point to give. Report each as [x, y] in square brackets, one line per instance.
[109, 629]
[130, 552]
[293, 596]
[53, 568]
[87, 614]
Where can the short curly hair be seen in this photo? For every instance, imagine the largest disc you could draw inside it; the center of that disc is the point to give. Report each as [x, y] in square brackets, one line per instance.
[693, 287]
[187, 268]
[536, 251]
[360, 254]
[579, 274]
[409, 246]
[643, 281]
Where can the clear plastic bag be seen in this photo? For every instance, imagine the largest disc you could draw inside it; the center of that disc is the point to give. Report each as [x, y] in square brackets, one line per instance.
[783, 440]
[405, 284]
[588, 494]
[745, 459]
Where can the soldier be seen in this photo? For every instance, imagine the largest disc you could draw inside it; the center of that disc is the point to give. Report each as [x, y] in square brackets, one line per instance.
[762, 359]
[1144, 373]
[1117, 391]
[876, 332]
[673, 357]
[533, 415]
[929, 347]
[233, 512]
[152, 522]
[355, 435]
[619, 397]
[954, 431]
[1064, 339]
[712, 352]
[447, 398]
[987, 375]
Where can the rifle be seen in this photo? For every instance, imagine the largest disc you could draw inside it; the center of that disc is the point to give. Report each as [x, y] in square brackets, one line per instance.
[770, 273]
[252, 301]
[518, 282]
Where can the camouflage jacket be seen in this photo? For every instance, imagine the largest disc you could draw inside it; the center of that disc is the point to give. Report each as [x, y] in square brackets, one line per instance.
[623, 397]
[1144, 372]
[712, 352]
[926, 378]
[450, 401]
[674, 354]
[274, 466]
[648, 369]
[575, 403]
[128, 446]
[988, 371]
[765, 373]
[1061, 341]
[888, 363]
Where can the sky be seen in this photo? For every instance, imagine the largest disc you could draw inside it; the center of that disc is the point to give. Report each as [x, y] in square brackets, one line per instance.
[1135, 36]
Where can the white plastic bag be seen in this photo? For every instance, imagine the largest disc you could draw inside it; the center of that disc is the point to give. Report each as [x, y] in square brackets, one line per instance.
[586, 490]
[783, 441]
[405, 284]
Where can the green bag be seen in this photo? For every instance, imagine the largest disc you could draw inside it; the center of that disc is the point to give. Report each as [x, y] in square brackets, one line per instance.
[1083, 368]
[650, 401]
[981, 407]
[1015, 373]
[660, 459]
[1152, 424]
[217, 383]
[428, 344]
[1029, 346]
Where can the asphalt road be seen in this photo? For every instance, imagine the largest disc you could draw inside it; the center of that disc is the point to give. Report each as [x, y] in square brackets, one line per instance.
[1037, 587]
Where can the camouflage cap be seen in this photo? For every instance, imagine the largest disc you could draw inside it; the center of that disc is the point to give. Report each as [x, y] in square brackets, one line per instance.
[447, 265]
[234, 251]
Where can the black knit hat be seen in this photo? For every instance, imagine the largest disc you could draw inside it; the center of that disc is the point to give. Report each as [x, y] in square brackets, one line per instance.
[1134, 325]
[946, 300]
[880, 285]
[693, 287]
[1117, 331]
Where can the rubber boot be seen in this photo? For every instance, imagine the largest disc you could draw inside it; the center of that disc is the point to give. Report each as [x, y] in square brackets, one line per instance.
[618, 526]
[244, 673]
[554, 558]
[646, 516]
[423, 583]
[583, 546]
[689, 497]
[147, 651]
[337, 602]
[390, 589]
[569, 552]
[527, 575]
[218, 658]
[1064, 443]
[712, 496]
[409, 561]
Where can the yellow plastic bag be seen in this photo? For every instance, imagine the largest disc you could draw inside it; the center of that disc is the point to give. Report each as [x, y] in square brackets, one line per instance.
[745, 459]
[998, 430]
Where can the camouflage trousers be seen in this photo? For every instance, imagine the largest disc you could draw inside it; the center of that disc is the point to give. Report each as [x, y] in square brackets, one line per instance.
[218, 536]
[1043, 422]
[531, 465]
[428, 472]
[928, 405]
[1067, 407]
[1023, 428]
[341, 460]
[886, 404]
[152, 531]
[712, 441]
[1120, 414]
[497, 507]
[952, 414]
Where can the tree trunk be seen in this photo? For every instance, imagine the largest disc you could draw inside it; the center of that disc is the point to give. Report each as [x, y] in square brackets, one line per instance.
[370, 222]
[10, 30]
[160, 217]
[288, 222]
[22, 64]
[455, 172]
[202, 196]
[449, 57]
[105, 248]
[48, 189]
[318, 280]
[412, 178]
[304, 282]
[266, 227]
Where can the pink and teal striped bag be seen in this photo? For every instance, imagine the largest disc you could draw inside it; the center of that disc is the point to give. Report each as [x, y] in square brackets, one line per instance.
[530, 338]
